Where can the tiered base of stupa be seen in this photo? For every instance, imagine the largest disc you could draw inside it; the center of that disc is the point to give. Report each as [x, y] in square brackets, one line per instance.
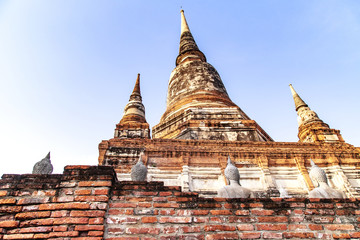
[267, 168]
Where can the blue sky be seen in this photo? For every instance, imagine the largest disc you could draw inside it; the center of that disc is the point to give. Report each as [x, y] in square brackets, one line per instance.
[67, 68]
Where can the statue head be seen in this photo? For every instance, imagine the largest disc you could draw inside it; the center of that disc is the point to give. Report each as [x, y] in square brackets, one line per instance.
[317, 174]
[231, 172]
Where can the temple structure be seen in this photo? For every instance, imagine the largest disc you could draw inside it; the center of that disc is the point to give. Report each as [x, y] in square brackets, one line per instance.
[202, 126]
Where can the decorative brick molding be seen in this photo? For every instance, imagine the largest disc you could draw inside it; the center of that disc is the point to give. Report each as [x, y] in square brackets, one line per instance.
[88, 203]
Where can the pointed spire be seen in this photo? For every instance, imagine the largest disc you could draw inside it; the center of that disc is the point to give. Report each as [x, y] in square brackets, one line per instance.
[136, 94]
[133, 124]
[48, 156]
[188, 47]
[135, 110]
[297, 99]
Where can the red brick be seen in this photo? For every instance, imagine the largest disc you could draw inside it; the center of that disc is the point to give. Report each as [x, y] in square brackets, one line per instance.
[148, 219]
[142, 230]
[175, 219]
[101, 191]
[91, 198]
[89, 227]
[83, 192]
[169, 230]
[145, 193]
[242, 212]
[9, 224]
[241, 219]
[335, 227]
[315, 227]
[250, 235]
[298, 235]
[95, 233]
[3, 193]
[87, 213]
[41, 222]
[35, 229]
[63, 199]
[201, 219]
[294, 227]
[273, 219]
[123, 205]
[220, 212]
[199, 212]
[5, 201]
[95, 184]
[272, 235]
[60, 228]
[166, 205]
[245, 227]
[64, 234]
[191, 229]
[165, 194]
[222, 236]
[215, 228]
[341, 235]
[256, 205]
[355, 235]
[61, 213]
[70, 220]
[167, 212]
[298, 211]
[209, 205]
[262, 212]
[41, 236]
[144, 205]
[19, 236]
[271, 227]
[96, 220]
[32, 215]
[56, 206]
[10, 209]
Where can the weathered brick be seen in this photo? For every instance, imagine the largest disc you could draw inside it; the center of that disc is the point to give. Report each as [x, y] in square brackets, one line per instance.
[245, 227]
[336, 227]
[101, 191]
[142, 230]
[55, 206]
[148, 219]
[3, 193]
[36, 229]
[220, 212]
[191, 229]
[89, 227]
[60, 213]
[95, 184]
[215, 228]
[175, 219]
[315, 227]
[64, 234]
[83, 192]
[271, 227]
[298, 235]
[272, 235]
[95, 233]
[165, 205]
[250, 235]
[341, 236]
[262, 212]
[123, 205]
[97, 220]
[10, 209]
[19, 236]
[6, 201]
[222, 236]
[70, 220]
[32, 215]
[87, 213]
[295, 227]
[33, 200]
[273, 219]
[242, 212]
[9, 224]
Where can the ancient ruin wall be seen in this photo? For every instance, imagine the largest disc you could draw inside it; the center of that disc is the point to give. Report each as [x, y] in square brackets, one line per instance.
[88, 203]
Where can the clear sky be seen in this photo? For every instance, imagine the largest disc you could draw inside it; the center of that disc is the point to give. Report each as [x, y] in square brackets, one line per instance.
[67, 68]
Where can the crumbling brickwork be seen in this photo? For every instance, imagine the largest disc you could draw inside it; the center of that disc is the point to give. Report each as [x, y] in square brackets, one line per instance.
[88, 203]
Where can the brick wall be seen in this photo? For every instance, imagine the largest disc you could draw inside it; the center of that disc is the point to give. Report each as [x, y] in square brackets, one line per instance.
[87, 203]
